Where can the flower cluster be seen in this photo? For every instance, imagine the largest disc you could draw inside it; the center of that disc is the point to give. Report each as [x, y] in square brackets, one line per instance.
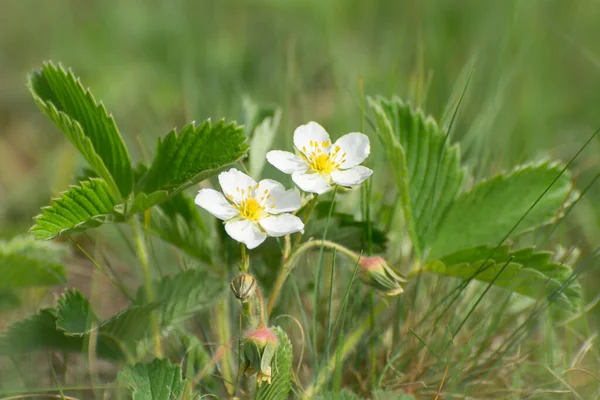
[253, 211]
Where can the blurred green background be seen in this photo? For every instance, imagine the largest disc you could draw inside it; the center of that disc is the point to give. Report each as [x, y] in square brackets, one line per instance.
[534, 93]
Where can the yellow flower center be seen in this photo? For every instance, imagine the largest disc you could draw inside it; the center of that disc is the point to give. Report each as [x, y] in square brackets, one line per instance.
[251, 208]
[321, 160]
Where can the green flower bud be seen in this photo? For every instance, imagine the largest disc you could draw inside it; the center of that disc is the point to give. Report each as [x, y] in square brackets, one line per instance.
[258, 351]
[375, 272]
[243, 286]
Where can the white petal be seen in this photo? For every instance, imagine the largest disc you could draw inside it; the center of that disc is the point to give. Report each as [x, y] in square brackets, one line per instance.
[312, 182]
[352, 176]
[233, 182]
[286, 162]
[281, 225]
[216, 204]
[311, 132]
[353, 147]
[275, 198]
[246, 232]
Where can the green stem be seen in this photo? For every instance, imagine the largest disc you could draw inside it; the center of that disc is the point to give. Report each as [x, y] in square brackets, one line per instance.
[262, 323]
[143, 256]
[290, 264]
[245, 264]
[224, 331]
[350, 343]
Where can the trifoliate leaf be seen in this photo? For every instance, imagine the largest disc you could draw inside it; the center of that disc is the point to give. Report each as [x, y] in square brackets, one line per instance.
[192, 155]
[25, 262]
[427, 167]
[526, 271]
[281, 369]
[74, 315]
[81, 207]
[158, 380]
[183, 295]
[484, 215]
[87, 125]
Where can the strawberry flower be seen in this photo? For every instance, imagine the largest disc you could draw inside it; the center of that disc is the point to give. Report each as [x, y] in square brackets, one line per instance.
[317, 164]
[252, 211]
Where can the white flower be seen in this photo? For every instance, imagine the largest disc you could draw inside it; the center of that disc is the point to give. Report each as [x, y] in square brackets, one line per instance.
[318, 164]
[252, 211]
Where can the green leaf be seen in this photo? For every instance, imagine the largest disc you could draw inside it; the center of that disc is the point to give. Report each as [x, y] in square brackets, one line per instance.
[87, 125]
[281, 367]
[491, 209]
[427, 168]
[74, 314]
[183, 295]
[261, 140]
[25, 262]
[159, 380]
[130, 325]
[529, 272]
[344, 229]
[178, 222]
[79, 208]
[38, 332]
[192, 155]
[41, 332]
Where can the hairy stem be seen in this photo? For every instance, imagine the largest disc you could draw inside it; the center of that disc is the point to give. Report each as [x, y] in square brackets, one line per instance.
[224, 334]
[143, 257]
[289, 265]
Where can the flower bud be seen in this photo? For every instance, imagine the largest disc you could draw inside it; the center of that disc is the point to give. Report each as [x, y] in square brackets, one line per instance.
[258, 351]
[243, 286]
[375, 272]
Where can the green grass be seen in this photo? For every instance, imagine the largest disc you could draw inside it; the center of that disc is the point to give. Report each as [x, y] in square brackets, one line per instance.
[534, 92]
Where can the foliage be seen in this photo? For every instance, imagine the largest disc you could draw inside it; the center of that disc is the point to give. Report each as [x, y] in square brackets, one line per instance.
[426, 167]
[282, 370]
[26, 263]
[493, 207]
[158, 380]
[476, 294]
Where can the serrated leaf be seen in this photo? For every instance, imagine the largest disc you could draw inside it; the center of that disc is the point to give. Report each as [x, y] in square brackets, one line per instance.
[183, 295]
[40, 332]
[158, 380]
[427, 168]
[37, 332]
[79, 208]
[130, 325]
[484, 215]
[281, 367]
[74, 315]
[25, 262]
[87, 125]
[192, 155]
[178, 222]
[530, 273]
